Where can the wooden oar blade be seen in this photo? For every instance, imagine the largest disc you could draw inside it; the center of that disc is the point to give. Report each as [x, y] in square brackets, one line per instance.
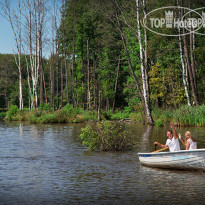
[159, 150]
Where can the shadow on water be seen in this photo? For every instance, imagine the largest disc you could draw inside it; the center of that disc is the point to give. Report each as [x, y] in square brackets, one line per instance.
[46, 164]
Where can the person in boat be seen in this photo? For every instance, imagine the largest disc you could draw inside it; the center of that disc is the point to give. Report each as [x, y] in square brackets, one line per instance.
[172, 142]
[189, 141]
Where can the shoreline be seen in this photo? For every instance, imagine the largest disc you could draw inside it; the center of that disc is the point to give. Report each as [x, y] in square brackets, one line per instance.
[181, 117]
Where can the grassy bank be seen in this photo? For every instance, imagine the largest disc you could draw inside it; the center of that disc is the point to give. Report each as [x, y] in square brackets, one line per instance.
[45, 115]
[184, 116]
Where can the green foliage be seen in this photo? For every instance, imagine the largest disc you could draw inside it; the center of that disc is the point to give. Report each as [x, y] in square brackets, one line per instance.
[37, 113]
[127, 109]
[165, 116]
[159, 123]
[49, 118]
[106, 136]
[12, 111]
[2, 114]
[87, 25]
[90, 138]
[91, 115]
[164, 87]
[188, 116]
[79, 118]
[44, 107]
[120, 115]
[184, 116]
[70, 110]
[136, 116]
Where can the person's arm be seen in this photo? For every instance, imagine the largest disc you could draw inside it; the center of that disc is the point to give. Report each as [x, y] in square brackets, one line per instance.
[174, 131]
[187, 145]
[161, 145]
[183, 142]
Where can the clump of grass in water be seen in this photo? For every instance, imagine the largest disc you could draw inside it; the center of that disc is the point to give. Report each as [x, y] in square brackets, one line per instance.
[106, 136]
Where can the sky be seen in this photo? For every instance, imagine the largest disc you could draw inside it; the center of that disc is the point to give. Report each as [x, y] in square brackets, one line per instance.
[7, 42]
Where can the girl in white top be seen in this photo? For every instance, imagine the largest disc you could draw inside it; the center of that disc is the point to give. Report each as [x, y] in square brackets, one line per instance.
[189, 142]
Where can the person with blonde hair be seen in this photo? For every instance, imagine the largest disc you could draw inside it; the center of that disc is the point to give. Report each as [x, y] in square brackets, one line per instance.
[189, 142]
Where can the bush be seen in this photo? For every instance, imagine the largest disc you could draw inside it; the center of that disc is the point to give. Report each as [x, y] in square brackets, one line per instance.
[2, 114]
[79, 118]
[91, 115]
[127, 109]
[120, 116]
[44, 107]
[37, 113]
[49, 118]
[159, 123]
[12, 111]
[106, 136]
[106, 115]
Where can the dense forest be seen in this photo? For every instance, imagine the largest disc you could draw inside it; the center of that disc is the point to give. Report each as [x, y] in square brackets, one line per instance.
[101, 57]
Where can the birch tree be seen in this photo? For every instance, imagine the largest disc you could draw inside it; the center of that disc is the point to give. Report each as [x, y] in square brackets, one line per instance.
[143, 71]
[183, 69]
[144, 93]
[15, 19]
[34, 14]
[189, 67]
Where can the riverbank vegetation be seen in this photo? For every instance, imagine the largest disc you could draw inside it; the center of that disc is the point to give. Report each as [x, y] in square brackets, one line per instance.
[184, 116]
[103, 64]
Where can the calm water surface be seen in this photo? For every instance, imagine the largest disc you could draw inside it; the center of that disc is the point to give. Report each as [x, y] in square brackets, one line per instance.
[46, 164]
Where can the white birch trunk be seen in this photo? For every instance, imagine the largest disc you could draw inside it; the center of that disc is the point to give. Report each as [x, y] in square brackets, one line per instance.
[34, 12]
[19, 55]
[15, 21]
[144, 84]
[183, 70]
[88, 76]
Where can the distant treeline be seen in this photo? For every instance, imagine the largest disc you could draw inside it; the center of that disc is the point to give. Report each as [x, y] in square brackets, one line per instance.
[103, 58]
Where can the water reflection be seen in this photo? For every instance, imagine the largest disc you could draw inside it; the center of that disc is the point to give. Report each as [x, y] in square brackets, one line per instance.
[46, 164]
[145, 140]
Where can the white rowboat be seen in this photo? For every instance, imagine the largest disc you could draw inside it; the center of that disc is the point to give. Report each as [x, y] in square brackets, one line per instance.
[184, 159]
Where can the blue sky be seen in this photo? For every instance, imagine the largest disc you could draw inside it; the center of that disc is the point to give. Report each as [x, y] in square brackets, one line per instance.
[7, 42]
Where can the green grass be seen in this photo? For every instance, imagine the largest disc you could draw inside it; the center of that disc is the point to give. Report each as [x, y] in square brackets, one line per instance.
[190, 116]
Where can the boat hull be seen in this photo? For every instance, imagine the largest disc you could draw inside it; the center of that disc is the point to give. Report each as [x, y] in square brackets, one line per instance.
[184, 160]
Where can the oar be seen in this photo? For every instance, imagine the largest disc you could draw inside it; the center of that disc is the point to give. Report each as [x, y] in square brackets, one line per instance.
[159, 150]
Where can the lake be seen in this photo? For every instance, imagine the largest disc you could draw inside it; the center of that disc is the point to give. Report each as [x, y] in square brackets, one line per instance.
[46, 164]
